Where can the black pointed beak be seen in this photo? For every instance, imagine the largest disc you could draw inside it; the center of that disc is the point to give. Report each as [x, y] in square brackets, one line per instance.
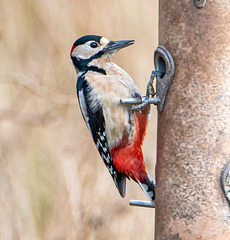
[117, 45]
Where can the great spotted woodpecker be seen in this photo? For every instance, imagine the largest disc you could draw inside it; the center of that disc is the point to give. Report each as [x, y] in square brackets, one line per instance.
[118, 130]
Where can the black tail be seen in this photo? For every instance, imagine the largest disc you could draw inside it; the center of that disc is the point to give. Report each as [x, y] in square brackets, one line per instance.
[148, 186]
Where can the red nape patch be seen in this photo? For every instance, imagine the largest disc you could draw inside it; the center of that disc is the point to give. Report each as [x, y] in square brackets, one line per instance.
[73, 47]
[128, 158]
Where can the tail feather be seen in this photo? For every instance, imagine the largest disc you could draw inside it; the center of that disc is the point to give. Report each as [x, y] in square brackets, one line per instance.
[121, 184]
[148, 187]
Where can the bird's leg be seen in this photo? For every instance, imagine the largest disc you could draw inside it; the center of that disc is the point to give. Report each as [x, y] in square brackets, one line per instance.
[140, 106]
[150, 92]
[138, 97]
[136, 102]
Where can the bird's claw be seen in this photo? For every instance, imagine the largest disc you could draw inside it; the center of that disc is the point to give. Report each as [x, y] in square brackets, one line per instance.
[140, 106]
[150, 91]
[136, 95]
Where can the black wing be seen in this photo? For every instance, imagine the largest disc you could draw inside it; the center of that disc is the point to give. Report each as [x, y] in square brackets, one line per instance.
[96, 124]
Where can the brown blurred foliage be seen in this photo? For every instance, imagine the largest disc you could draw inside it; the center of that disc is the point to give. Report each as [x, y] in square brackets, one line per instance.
[53, 184]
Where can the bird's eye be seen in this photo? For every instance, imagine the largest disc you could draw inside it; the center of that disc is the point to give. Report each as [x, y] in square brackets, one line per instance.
[93, 45]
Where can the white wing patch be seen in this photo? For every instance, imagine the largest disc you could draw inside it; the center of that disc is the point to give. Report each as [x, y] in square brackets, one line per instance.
[83, 108]
[83, 105]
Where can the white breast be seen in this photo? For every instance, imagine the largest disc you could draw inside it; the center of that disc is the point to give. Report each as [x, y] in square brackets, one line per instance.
[107, 92]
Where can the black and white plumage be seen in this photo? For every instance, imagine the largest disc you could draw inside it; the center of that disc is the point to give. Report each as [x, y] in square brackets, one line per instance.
[96, 125]
[118, 133]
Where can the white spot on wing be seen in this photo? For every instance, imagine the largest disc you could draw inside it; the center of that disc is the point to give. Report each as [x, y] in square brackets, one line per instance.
[110, 170]
[107, 159]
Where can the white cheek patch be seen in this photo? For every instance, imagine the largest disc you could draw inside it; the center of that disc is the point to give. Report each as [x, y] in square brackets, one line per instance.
[85, 51]
[82, 51]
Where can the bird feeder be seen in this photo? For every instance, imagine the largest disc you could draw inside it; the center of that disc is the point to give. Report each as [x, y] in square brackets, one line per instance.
[193, 143]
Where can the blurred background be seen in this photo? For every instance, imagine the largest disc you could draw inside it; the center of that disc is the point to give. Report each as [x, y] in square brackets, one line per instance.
[53, 184]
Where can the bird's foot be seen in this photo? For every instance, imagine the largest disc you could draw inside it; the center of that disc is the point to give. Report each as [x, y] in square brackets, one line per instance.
[150, 91]
[137, 102]
[139, 107]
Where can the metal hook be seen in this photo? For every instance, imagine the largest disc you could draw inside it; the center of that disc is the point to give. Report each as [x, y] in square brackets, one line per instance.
[200, 3]
[135, 101]
[164, 63]
[225, 181]
[138, 203]
[164, 73]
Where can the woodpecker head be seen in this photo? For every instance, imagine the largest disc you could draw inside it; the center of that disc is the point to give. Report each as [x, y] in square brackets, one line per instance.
[90, 47]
